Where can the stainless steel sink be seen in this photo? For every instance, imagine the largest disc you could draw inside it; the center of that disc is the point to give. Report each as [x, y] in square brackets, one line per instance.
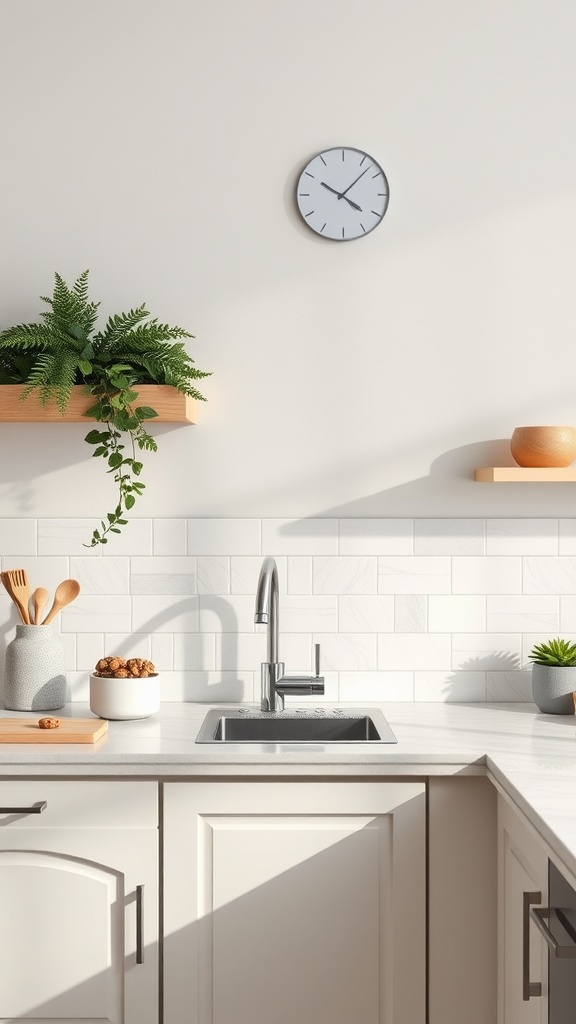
[322, 725]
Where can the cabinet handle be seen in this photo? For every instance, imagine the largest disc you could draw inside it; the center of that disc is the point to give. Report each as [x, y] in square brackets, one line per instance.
[542, 914]
[36, 808]
[529, 988]
[139, 924]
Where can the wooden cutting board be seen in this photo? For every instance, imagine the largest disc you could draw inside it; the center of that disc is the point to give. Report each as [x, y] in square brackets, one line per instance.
[70, 730]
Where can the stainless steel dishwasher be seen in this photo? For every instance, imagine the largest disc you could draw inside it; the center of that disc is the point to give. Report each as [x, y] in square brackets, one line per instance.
[558, 926]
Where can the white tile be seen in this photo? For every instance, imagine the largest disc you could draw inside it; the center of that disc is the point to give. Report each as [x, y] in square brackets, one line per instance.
[207, 687]
[567, 537]
[346, 651]
[299, 537]
[68, 641]
[213, 574]
[78, 687]
[43, 571]
[135, 539]
[376, 686]
[309, 614]
[17, 536]
[344, 575]
[96, 613]
[165, 614]
[448, 536]
[495, 651]
[162, 650]
[128, 645]
[89, 650]
[163, 575]
[456, 613]
[522, 614]
[568, 613]
[522, 537]
[549, 575]
[223, 536]
[414, 651]
[101, 576]
[490, 575]
[169, 536]
[417, 575]
[509, 686]
[410, 613]
[376, 537]
[193, 651]
[299, 574]
[245, 573]
[373, 613]
[450, 686]
[66, 537]
[228, 613]
[248, 651]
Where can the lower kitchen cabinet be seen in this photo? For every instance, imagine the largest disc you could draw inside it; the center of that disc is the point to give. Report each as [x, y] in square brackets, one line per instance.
[522, 881]
[294, 902]
[79, 899]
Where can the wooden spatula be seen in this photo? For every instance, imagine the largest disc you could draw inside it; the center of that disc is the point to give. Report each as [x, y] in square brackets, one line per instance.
[16, 583]
[39, 599]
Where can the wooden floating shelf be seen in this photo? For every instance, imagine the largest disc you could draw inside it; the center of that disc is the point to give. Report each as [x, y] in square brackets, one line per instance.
[171, 405]
[524, 475]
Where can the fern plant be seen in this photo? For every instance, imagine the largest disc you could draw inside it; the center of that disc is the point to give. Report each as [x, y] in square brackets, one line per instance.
[65, 349]
[555, 652]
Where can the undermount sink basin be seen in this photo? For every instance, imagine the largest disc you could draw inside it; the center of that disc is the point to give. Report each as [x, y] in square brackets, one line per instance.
[330, 725]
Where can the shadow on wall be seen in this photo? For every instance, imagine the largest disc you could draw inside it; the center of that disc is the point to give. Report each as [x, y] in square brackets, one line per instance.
[450, 485]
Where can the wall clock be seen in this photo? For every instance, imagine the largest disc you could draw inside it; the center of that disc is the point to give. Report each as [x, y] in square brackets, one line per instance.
[342, 193]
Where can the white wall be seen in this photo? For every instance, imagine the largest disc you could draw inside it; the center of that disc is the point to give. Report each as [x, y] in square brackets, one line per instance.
[158, 143]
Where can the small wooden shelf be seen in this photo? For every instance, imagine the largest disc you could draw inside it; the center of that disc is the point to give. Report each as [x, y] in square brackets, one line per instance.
[171, 405]
[524, 475]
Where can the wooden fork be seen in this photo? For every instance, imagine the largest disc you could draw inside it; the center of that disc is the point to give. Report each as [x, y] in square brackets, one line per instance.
[16, 583]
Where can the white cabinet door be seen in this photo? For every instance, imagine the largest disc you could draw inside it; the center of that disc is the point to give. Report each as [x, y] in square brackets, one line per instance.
[523, 961]
[288, 902]
[78, 905]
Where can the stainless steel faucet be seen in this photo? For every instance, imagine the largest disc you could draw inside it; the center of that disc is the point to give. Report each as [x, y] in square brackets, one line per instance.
[275, 685]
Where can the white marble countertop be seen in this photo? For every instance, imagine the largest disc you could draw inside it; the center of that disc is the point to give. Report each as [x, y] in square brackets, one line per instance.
[531, 757]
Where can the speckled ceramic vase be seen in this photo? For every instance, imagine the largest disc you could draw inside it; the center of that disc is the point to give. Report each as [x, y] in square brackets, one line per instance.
[552, 688]
[35, 678]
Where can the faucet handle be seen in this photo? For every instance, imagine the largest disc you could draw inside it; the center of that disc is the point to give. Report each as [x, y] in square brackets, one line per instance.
[316, 660]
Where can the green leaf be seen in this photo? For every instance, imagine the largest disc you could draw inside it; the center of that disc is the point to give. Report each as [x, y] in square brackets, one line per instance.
[95, 437]
[85, 367]
[129, 501]
[115, 460]
[137, 468]
[144, 412]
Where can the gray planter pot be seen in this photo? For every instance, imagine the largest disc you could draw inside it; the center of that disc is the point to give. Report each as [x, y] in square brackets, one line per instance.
[552, 688]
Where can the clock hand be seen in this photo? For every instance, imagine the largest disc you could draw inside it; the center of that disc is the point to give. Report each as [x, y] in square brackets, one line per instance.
[342, 196]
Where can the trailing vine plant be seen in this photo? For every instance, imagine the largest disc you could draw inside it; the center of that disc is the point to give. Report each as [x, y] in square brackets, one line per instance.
[65, 349]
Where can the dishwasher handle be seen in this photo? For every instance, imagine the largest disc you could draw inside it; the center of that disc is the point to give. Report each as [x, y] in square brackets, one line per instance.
[529, 988]
[541, 916]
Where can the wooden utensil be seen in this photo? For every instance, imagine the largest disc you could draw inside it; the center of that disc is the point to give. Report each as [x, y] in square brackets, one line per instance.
[65, 593]
[16, 583]
[39, 599]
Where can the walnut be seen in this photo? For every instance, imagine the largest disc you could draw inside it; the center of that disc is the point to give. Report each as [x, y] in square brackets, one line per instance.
[121, 673]
[119, 668]
[48, 723]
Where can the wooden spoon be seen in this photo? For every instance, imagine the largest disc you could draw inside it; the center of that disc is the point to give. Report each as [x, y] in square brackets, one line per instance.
[65, 593]
[16, 583]
[39, 599]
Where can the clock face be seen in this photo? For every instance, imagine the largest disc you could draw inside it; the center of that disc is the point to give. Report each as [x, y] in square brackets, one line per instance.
[342, 193]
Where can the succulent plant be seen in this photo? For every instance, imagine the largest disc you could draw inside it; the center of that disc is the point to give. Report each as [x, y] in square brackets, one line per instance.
[556, 652]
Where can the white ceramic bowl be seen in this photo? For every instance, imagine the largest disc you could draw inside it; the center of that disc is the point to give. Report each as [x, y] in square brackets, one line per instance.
[124, 699]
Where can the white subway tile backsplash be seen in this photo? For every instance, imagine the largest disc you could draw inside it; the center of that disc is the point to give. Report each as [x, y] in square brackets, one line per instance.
[376, 537]
[522, 537]
[456, 613]
[344, 575]
[550, 575]
[223, 536]
[404, 609]
[490, 575]
[463, 687]
[523, 614]
[18, 536]
[299, 537]
[366, 614]
[417, 575]
[410, 613]
[449, 537]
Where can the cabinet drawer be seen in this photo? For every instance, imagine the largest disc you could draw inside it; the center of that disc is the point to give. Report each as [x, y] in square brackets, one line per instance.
[82, 804]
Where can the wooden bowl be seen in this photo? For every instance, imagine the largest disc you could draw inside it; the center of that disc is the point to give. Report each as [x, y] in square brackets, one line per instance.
[544, 447]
